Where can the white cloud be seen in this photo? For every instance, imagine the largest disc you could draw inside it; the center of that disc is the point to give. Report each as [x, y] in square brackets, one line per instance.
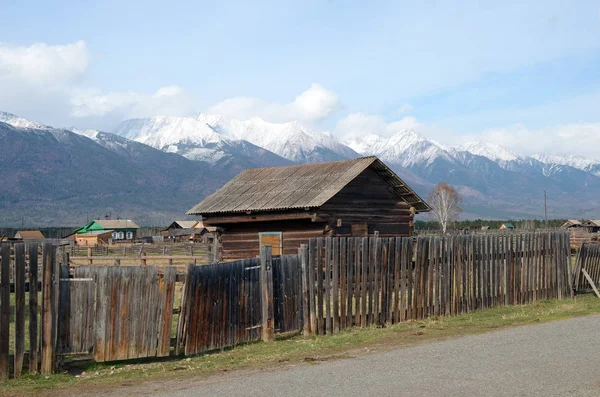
[581, 139]
[46, 82]
[356, 125]
[406, 108]
[170, 99]
[316, 103]
[43, 64]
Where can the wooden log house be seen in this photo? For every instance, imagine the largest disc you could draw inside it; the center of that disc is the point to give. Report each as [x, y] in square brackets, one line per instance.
[285, 206]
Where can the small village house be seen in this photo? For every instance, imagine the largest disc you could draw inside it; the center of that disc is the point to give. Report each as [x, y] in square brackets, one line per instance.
[572, 224]
[121, 230]
[192, 231]
[93, 237]
[507, 225]
[285, 206]
[593, 225]
[26, 235]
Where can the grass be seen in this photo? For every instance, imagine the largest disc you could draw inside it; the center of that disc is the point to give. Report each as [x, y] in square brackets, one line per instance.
[295, 350]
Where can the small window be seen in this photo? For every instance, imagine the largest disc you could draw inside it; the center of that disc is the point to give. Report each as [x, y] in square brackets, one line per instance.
[121, 235]
[274, 239]
[129, 235]
[360, 230]
[115, 235]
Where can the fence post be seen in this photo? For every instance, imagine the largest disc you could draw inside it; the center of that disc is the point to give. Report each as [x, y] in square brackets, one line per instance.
[19, 279]
[306, 328]
[90, 253]
[47, 356]
[266, 287]
[4, 310]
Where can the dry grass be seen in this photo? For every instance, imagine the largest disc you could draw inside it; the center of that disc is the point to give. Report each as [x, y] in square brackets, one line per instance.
[296, 350]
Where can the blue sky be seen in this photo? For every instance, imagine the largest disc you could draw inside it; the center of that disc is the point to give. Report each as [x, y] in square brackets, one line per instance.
[454, 70]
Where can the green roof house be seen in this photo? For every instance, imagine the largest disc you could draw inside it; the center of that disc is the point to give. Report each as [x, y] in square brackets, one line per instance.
[122, 229]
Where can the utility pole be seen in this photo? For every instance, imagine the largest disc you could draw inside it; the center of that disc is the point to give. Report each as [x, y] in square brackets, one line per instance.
[545, 210]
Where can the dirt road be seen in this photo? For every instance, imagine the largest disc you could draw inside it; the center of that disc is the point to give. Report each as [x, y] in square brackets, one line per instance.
[552, 359]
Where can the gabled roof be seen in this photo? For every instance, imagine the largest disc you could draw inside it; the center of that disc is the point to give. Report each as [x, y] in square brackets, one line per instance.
[92, 233]
[298, 187]
[182, 225]
[571, 222]
[29, 235]
[508, 225]
[592, 222]
[117, 224]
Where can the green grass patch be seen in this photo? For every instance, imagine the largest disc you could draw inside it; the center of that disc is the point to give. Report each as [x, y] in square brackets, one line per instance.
[304, 350]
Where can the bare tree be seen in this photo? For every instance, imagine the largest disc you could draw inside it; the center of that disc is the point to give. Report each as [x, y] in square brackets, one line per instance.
[444, 201]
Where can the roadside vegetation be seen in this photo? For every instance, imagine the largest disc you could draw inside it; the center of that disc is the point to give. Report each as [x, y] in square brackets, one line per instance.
[297, 350]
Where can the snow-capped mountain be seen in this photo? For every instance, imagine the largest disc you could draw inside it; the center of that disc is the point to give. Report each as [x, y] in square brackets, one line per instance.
[195, 140]
[19, 122]
[494, 181]
[581, 163]
[489, 150]
[405, 148]
[291, 140]
[210, 138]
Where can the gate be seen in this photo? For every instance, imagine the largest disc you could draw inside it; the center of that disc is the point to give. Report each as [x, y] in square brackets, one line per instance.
[221, 306]
[287, 293]
[116, 313]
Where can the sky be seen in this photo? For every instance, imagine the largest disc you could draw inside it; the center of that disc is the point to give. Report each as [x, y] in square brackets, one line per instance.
[522, 74]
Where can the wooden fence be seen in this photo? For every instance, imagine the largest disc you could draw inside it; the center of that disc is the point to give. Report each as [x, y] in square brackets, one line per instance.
[118, 313]
[220, 306]
[125, 312]
[366, 281]
[588, 260]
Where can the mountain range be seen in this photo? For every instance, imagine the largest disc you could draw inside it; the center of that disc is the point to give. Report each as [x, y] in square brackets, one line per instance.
[154, 169]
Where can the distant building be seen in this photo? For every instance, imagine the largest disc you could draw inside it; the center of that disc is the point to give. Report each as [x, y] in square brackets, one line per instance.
[29, 235]
[188, 231]
[571, 223]
[593, 225]
[93, 237]
[121, 229]
[507, 226]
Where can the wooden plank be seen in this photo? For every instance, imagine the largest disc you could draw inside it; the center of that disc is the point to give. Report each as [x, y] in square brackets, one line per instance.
[100, 314]
[4, 311]
[33, 308]
[327, 284]
[306, 323]
[343, 276]
[357, 281]
[591, 282]
[47, 351]
[349, 269]
[19, 277]
[266, 274]
[335, 286]
[402, 252]
[311, 286]
[364, 281]
[320, 289]
[124, 314]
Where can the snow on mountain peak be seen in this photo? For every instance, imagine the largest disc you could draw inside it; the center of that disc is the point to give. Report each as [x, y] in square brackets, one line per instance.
[164, 131]
[490, 150]
[578, 162]
[406, 147]
[19, 122]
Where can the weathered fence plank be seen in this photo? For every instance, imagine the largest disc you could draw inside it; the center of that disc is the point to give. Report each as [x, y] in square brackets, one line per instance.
[4, 310]
[33, 308]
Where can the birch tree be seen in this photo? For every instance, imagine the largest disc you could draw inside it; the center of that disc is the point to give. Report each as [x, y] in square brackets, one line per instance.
[444, 201]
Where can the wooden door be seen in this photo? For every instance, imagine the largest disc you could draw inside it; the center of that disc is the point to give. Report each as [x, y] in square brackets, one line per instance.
[274, 239]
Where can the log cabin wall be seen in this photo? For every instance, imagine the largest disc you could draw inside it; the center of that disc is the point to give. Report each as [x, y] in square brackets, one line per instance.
[241, 240]
[365, 205]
